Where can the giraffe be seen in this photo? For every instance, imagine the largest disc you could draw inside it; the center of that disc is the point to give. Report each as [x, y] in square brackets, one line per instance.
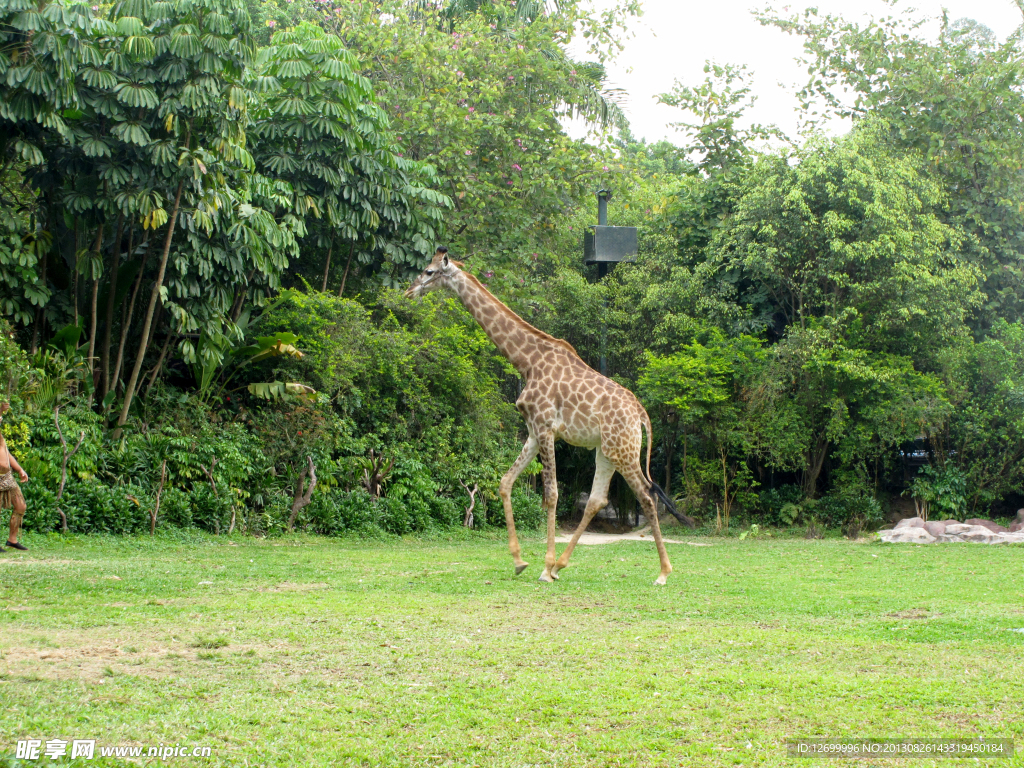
[562, 398]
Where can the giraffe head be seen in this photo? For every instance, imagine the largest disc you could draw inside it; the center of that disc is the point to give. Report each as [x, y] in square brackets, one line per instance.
[437, 274]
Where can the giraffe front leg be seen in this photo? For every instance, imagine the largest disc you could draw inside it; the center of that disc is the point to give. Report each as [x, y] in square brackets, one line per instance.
[505, 491]
[546, 447]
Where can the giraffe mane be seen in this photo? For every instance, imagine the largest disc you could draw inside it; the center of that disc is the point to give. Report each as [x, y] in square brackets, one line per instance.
[503, 308]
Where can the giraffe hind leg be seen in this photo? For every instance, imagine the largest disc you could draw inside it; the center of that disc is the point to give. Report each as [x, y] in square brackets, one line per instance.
[598, 500]
[637, 482]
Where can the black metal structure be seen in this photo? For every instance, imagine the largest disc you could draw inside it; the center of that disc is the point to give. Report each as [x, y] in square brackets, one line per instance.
[607, 246]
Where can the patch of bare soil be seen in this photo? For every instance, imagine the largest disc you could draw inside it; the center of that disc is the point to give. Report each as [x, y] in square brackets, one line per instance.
[611, 538]
[28, 562]
[291, 586]
[913, 613]
[87, 662]
[93, 663]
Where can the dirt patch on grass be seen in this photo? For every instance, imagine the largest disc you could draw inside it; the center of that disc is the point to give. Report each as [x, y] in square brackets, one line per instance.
[94, 663]
[590, 539]
[30, 561]
[90, 662]
[291, 586]
[912, 613]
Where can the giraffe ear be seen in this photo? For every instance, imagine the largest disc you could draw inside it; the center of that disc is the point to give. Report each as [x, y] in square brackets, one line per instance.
[445, 262]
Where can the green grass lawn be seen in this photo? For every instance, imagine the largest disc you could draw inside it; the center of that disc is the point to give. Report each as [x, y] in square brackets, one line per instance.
[308, 651]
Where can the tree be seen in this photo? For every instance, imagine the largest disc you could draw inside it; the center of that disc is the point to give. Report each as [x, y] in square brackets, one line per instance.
[137, 132]
[479, 96]
[848, 230]
[983, 438]
[319, 129]
[956, 100]
[818, 397]
[702, 386]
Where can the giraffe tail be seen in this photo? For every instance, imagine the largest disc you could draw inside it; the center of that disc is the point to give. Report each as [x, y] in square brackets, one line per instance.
[655, 489]
[686, 520]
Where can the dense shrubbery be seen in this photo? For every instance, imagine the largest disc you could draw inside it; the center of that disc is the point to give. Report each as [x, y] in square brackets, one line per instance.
[795, 322]
[417, 385]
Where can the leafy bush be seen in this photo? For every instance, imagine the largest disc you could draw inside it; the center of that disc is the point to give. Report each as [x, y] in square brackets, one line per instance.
[91, 507]
[175, 508]
[780, 506]
[339, 512]
[848, 507]
[526, 507]
[941, 492]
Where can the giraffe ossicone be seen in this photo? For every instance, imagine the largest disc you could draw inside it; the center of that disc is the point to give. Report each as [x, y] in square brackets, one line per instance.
[562, 398]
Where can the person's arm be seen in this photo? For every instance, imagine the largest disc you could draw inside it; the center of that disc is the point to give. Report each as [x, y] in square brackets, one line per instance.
[15, 465]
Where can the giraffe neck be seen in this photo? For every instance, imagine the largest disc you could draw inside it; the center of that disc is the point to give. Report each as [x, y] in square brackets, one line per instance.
[515, 338]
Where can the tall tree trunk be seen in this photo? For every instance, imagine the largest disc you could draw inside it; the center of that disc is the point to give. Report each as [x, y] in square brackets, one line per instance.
[327, 268]
[239, 302]
[301, 499]
[348, 264]
[115, 263]
[126, 324]
[815, 460]
[34, 346]
[92, 305]
[684, 460]
[74, 271]
[725, 484]
[160, 362]
[154, 297]
[670, 450]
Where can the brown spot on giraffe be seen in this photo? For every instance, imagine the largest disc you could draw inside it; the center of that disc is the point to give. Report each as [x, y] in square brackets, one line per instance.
[562, 398]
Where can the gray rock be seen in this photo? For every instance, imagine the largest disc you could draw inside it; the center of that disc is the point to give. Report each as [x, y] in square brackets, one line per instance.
[1009, 538]
[1016, 527]
[1020, 515]
[979, 534]
[949, 539]
[936, 529]
[909, 522]
[994, 527]
[950, 522]
[908, 535]
[957, 528]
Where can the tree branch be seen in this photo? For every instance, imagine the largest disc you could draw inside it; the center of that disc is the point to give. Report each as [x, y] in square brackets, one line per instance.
[302, 499]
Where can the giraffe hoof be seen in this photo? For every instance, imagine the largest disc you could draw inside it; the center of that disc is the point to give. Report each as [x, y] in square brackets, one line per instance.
[546, 577]
[520, 568]
[660, 581]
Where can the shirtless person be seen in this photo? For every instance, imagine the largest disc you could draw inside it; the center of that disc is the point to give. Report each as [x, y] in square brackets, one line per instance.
[10, 493]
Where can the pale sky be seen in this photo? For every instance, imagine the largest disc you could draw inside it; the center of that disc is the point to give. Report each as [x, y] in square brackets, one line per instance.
[674, 38]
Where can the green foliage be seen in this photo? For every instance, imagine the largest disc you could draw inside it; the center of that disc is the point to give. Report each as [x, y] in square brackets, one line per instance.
[176, 177]
[983, 437]
[850, 508]
[719, 103]
[319, 129]
[480, 96]
[956, 100]
[847, 230]
[780, 506]
[944, 491]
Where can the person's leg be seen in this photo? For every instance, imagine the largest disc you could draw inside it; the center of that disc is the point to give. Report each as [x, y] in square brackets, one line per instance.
[17, 515]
